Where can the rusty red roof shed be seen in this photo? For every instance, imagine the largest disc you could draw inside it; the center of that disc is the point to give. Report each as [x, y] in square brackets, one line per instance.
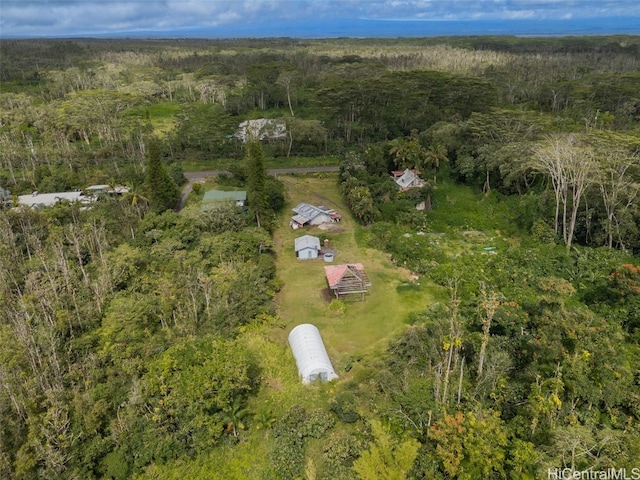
[347, 279]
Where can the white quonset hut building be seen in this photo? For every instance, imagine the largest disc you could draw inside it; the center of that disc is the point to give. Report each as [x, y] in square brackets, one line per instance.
[311, 356]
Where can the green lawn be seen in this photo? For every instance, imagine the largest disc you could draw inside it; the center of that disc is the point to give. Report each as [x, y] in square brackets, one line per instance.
[269, 162]
[294, 162]
[364, 327]
[362, 330]
[161, 115]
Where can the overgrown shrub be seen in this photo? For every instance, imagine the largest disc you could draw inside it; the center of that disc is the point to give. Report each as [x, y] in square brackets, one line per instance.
[542, 232]
[340, 450]
[316, 423]
[287, 454]
[344, 407]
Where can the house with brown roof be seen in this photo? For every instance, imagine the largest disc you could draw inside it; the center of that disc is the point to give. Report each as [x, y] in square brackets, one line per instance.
[347, 279]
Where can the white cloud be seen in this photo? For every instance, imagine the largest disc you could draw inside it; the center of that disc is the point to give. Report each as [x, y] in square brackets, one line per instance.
[69, 17]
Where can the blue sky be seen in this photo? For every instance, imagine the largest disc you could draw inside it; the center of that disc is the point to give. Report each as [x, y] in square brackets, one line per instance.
[36, 18]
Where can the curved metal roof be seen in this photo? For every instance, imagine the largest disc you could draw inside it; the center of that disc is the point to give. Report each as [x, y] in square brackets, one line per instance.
[311, 356]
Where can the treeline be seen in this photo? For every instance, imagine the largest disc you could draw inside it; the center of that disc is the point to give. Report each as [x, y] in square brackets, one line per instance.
[23, 59]
[127, 329]
[585, 185]
[74, 103]
[528, 363]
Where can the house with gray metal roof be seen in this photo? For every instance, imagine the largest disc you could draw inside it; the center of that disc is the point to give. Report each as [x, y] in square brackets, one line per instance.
[40, 200]
[407, 179]
[262, 129]
[306, 214]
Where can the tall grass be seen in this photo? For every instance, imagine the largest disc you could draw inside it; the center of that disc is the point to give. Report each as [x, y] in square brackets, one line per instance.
[458, 207]
[270, 163]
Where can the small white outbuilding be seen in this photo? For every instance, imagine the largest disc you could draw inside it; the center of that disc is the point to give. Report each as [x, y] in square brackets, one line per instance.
[307, 247]
[311, 356]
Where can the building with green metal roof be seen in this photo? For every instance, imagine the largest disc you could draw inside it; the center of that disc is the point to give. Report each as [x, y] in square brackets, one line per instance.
[212, 198]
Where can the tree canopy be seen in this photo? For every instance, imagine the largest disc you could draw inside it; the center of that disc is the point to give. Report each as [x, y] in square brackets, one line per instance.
[500, 338]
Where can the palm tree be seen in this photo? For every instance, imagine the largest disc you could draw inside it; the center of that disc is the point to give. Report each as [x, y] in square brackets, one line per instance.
[434, 156]
[136, 199]
[407, 152]
[399, 152]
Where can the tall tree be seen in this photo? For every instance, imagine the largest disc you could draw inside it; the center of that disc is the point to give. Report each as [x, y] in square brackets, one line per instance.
[256, 181]
[285, 79]
[489, 303]
[161, 190]
[261, 81]
[452, 342]
[618, 181]
[386, 458]
[571, 166]
[306, 133]
[435, 155]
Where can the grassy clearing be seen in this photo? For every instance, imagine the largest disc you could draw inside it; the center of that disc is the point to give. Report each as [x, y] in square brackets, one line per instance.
[162, 116]
[466, 222]
[362, 327]
[206, 165]
[357, 330]
[294, 162]
[270, 163]
[458, 207]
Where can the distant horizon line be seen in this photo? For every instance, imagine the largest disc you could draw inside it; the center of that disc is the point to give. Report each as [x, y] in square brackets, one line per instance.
[374, 28]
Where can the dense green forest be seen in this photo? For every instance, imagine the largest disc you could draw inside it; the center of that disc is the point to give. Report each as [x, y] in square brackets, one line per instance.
[139, 341]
